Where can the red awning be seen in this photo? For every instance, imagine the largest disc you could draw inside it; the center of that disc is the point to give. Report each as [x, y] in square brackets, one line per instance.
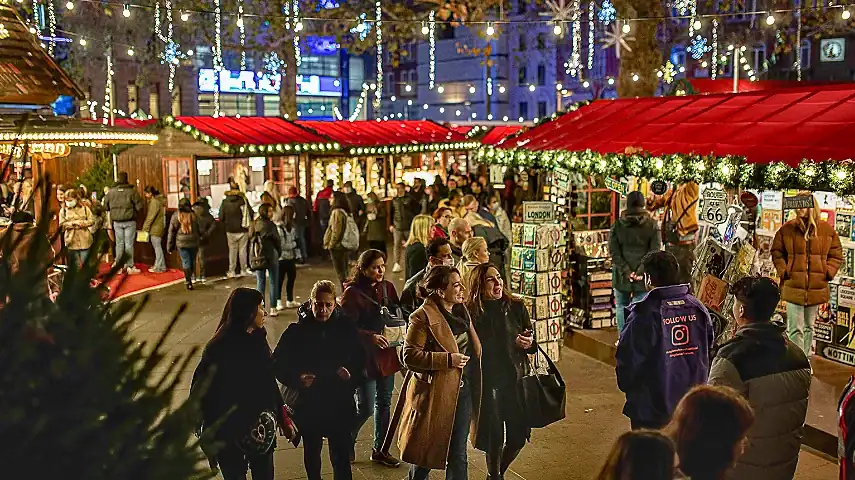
[781, 125]
[367, 133]
[497, 135]
[250, 130]
[725, 85]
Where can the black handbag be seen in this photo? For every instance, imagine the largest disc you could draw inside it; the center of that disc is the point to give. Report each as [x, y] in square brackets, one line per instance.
[542, 396]
[261, 437]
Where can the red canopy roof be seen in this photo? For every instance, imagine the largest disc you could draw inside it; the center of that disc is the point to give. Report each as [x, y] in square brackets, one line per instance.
[367, 133]
[725, 85]
[497, 135]
[249, 130]
[781, 125]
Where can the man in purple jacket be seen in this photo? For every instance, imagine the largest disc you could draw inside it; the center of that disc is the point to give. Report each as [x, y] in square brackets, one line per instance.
[663, 350]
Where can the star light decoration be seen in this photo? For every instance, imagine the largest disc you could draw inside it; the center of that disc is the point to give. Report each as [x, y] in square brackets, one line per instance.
[561, 12]
[607, 13]
[363, 28]
[699, 47]
[614, 37]
[273, 64]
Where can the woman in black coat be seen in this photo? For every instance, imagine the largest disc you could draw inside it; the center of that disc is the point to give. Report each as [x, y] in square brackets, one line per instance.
[237, 368]
[320, 357]
[505, 330]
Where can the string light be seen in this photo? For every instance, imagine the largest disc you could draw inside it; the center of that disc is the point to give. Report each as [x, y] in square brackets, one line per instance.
[218, 54]
[576, 55]
[591, 39]
[242, 29]
[490, 30]
[108, 87]
[126, 10]
[432, 50]
[845, 14]
[714, 72]
[378, 28]
[69, 5]
[36, 27]
[770, 20]
[298, 26]
[51, 27]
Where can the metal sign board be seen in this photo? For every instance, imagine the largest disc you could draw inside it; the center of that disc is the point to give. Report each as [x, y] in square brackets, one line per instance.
[793, 203]
[616, 186]
[714, 208]
[538, 212]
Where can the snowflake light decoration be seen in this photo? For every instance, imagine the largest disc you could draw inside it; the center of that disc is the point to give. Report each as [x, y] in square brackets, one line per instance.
[273, 64]
[363, 28]
[561, 11]
[614, 37]
[668, 72]
[699, 47]
[683, 6]
[607, 13]
[171, 54]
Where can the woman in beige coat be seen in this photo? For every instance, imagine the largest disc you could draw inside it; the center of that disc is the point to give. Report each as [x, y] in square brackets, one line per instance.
[75, 220]
[440, 400]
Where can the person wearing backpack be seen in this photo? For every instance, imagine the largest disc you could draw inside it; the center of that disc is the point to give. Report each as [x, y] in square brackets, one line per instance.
[184, 235]
[372, 303]
[339, 237]
[236, 216]
[265, 246]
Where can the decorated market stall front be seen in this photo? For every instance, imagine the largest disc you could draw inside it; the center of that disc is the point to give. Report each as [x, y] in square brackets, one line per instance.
[751, 154]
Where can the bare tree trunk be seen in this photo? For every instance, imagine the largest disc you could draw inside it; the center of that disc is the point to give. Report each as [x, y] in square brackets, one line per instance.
[288, 85]
[645, 58]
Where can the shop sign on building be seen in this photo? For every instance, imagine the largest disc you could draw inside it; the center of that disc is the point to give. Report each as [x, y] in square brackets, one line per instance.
[538, 212]
[823, 332]
[714, 210]
[793, 203]
[617, 186]
[839, 355]
[562, 179]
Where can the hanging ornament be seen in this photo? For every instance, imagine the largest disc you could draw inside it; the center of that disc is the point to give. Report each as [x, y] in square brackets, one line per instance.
[273, 64]
[667, 72]
[607, 13]
[699, 47]
[362, 28]
[432, 50]
[561, 12]
[615, 37]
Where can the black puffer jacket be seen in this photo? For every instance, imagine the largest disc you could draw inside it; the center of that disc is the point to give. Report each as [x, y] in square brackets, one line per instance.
[773, 374]
[230, 211]
[633, 236]
[207, 224]
[123, 202]
[321, 348]
[498, 326]
[240, 370]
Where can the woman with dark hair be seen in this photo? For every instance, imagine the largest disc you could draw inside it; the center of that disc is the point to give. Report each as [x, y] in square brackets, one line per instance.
[443, 217]
[335, 234]
[375, 226]
[440, 400]
[366, 297]
[709, 428]
[265, 234]
[505, 330]
[320, 358]
[646, 454]
[184, 234]
[289, 254]
[242, 400]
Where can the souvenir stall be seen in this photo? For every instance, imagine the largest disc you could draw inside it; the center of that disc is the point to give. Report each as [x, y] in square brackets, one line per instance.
[376, 155]
[750, 153]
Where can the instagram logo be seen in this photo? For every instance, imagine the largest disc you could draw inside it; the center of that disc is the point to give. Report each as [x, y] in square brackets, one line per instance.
[679, 335]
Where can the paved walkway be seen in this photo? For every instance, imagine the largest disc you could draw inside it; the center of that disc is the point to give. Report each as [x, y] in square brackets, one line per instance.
[569, 450]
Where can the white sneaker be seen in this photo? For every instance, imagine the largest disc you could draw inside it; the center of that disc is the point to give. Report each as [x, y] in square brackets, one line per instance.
[230, 275]
[397, 268]
[133, 271]
[273, 312]
[248, 273]
[279, 305]
[292, 305]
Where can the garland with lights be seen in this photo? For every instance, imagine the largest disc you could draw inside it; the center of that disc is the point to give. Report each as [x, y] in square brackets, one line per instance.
[427, 147]
[731, 171]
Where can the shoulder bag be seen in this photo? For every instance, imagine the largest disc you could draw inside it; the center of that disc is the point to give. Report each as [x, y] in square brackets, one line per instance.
[394, 323]
[261, 437]
[542, 395]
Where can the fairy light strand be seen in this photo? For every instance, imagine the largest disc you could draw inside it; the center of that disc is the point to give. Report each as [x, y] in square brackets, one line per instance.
[170, 47]
[36, 22]
[432, 50]
[218, 54]
[297, 27]
[242, 27]
[591, 46]
[108, 88]
[714, 63]
[378, 28]
[51, 27]
[576, 56]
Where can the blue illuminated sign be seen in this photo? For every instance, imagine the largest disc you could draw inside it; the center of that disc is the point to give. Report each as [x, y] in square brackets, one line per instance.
[267, 84]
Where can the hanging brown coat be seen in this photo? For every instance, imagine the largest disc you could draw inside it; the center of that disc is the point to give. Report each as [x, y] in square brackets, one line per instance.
[428, 400]
[805, 266]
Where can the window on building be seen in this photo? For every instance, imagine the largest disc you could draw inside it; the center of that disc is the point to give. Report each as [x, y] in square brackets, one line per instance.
[133, 97]
[541, 41]
[758, 57]
[600, 59]
[541, 75]
[389, 86]
[154, 101]
[523, 45]
[323, 65]
[177, 176]
[523, 109]
[541, 109]
[522, 77]
[805, 49]
[594, 205]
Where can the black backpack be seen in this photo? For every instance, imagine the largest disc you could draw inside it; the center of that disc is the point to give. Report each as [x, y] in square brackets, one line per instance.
[257, 258]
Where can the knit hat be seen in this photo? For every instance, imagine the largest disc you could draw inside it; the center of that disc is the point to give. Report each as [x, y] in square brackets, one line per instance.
[635, 200]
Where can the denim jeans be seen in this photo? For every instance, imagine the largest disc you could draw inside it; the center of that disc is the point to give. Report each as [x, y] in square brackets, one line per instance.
[457, 468]
[159, 259]
[301, 241]
[126, 235]
[76, 258]
[800, 325]
[622, 300]
[374, 397]
[261, 280]
[188, 258]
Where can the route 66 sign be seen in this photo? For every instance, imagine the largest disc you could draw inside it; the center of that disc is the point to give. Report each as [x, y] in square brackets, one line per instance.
[714, 211]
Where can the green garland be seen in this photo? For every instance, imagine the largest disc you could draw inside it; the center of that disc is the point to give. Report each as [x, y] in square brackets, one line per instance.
[731, 171]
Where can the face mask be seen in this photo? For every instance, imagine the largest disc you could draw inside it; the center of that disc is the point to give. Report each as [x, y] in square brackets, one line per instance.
[71, 203]
[495, 206]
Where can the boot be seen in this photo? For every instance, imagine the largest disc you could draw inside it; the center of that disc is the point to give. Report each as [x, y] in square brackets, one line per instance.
[508, 457]
[188, 278]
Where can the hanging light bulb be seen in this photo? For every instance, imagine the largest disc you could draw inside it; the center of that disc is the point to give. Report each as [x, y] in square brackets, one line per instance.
[298, 26]
[611, 81]
[770, 20]
[185, 16]
[425, 29]
[240, 22]
[490, 30]
[635, 77]
[585, 84]
[501, 89]
[625, 28]
[126, 11]
[69, 5]
[131, 51]
[440, 89]
[558, 86]
[531, 88]
[557, 29]
[697, 24]
[471, 89]
[845, 14]
[83, 42]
